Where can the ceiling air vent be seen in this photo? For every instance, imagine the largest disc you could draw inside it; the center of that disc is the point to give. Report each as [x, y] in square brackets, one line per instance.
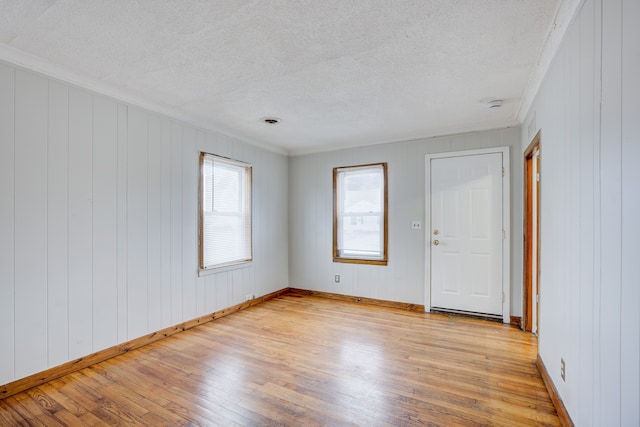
[270, 120]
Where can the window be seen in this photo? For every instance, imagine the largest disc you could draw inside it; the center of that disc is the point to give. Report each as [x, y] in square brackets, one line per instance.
[360, 214]
[225, 212]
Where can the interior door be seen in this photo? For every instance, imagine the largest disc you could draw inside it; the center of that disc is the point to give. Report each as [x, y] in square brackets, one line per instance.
[466, 233]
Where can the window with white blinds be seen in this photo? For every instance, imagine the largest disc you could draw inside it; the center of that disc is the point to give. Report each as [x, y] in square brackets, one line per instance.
[360, 214]
[225, 212]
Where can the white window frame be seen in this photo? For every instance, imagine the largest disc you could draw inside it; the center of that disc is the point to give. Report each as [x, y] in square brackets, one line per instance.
[244, 213]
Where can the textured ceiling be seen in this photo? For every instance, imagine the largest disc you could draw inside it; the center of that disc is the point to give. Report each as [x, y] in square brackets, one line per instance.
[337, 72]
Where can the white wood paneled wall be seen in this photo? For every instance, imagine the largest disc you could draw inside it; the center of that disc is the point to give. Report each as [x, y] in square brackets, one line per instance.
[98, 223]
[588, 111]
[310, 196]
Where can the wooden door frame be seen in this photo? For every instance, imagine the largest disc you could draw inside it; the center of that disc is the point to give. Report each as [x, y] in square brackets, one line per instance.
[527, 299]
[506, 223]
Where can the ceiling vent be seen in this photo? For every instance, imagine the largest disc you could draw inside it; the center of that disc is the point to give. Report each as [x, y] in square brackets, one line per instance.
[270, 120]
[496, 103]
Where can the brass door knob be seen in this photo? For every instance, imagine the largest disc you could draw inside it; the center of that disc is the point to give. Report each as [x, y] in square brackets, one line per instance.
[436, 242]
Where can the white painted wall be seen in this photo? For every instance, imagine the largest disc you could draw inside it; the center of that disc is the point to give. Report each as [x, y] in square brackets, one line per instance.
[98, 223]
[588, 110]
[310, 212]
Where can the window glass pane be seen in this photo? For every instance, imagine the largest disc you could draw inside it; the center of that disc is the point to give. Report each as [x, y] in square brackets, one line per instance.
[227, 192]
[225, 213]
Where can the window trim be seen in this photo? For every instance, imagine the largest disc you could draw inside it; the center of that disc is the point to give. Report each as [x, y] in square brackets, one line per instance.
[385, 252]
[241, 263]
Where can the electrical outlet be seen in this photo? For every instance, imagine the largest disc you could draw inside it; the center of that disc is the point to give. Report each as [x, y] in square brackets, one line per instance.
[337, 278]
[562, 368]
[249, 297]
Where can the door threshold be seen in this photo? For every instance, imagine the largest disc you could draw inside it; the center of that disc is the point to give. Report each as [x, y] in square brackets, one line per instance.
[481, 316]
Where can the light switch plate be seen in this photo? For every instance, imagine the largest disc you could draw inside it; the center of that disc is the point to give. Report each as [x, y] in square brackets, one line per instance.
[416, 225]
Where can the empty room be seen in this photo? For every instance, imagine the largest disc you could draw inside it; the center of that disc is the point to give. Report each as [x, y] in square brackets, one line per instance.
[301, 213]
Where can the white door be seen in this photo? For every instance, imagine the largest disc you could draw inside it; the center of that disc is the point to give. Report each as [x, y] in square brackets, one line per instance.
[466, 233]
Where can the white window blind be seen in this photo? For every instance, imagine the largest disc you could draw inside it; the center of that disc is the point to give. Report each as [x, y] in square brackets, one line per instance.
[225, 215]
[360, 212]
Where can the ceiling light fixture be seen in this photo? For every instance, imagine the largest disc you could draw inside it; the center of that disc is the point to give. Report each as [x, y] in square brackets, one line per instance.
[270, 120]
[496, 103]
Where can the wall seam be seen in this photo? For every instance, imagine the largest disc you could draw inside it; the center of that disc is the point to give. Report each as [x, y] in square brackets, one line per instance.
[14, 221]
[47, 343]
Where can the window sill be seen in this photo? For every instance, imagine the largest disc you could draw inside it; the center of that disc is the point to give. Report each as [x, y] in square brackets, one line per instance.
[231, 267]
[361, 261]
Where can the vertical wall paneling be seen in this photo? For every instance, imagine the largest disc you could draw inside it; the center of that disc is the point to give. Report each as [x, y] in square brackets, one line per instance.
[553, 214]
[31, 105]
[630, 250]
[302, 205]
[588, 182]
[400, 233]
[296, 223]
[222, 290]
[165, 222]
[259, 185]
[593, 412]
[137, 199]
[7, 230]
[589, 274]
[245, 287]
[176, 223]
[105, 223]
[154, 223]
[189, 222]
[574, 237]
[210, 293]
[98, 224]
[279, 222]
[413, 266]
[553, 217]
[201, 296]
[236, 282]
[610, 178]
[121, 206]
[80, 223]
[323, 204]
[58, 225]
[515, 224]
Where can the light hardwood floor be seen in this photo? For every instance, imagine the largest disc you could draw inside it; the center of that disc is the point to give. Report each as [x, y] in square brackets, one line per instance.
[304, 361]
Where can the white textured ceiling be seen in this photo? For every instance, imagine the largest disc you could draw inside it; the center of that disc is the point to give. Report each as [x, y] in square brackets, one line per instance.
[337, 72]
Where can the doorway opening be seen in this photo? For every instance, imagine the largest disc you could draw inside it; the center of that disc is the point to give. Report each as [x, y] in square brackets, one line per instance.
[531, 235]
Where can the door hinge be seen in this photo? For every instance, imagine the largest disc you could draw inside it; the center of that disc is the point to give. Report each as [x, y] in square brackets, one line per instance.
[503, 297]
[504, 234]
[537, 299]
[538, 177]
[503, 171]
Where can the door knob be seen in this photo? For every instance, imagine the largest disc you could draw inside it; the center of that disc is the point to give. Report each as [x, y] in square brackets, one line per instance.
[436, 242]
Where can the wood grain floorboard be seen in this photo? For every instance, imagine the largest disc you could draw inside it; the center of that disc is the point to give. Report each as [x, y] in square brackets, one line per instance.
[307, 361]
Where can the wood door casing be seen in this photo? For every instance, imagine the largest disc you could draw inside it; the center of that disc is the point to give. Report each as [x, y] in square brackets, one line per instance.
[531, 235]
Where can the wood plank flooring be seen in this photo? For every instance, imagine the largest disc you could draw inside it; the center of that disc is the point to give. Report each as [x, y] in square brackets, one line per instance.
[307, 361]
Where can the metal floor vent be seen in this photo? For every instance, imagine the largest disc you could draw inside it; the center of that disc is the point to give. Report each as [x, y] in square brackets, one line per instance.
[481, 316]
